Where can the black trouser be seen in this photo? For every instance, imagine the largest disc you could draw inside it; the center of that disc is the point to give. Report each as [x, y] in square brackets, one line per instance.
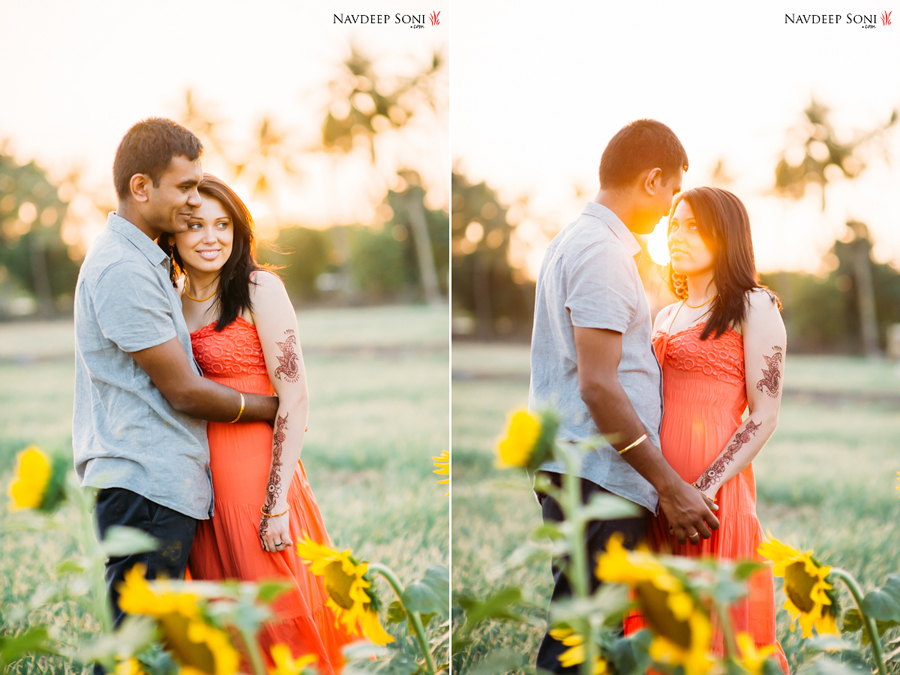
[597, 533]
[173, 530]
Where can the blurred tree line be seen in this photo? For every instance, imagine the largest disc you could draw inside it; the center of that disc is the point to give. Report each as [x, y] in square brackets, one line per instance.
[847, 310]
[403, 257]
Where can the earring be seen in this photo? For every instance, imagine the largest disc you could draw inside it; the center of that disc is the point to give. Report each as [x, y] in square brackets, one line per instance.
[679, 286]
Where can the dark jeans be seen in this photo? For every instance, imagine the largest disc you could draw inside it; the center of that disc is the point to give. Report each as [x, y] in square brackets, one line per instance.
[173, 530]
[597, 534]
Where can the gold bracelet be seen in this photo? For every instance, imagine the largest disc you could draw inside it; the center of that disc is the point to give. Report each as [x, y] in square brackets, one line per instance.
[641, 439]
[262, 510]
[241, 411]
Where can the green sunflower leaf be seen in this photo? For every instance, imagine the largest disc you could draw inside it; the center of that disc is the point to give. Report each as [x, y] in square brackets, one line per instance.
[852, 623]
[395, 612]
[631, 654]
[34, 640]
[883, 604]
[267, 591]
[430, 594]
[122, 541]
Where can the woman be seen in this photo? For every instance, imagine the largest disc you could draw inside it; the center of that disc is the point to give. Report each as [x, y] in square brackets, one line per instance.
[721, 349]
[244, 335]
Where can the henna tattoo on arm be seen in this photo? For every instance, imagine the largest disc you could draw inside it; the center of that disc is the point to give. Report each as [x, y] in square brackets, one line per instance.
[717, 469]
[273, 489]
[771, 379]
[289, 360]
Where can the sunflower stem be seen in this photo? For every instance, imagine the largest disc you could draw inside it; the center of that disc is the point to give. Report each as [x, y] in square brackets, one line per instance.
[578, 577]
[90, 547]
[727, 632]
[252, 648]
[867, 621]
[414, 618]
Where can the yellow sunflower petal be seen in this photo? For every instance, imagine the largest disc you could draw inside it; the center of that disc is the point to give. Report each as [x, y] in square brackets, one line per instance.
[572, 656]
[806, 588]
[129, 667]
[286, 664]
[517, 446]
[347, 588]
[30, 479]
[753, 658]
[226, 658]
[372, 628]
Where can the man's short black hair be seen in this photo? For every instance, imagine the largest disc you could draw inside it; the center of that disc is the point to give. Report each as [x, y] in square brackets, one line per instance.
[148, 147]
[637, 147]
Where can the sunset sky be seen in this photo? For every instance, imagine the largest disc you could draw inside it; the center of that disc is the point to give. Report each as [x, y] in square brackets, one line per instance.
[77, 75]
[535, 96]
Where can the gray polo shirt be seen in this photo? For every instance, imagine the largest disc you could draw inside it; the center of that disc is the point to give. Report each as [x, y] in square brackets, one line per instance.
[124, 433]
[589, 279]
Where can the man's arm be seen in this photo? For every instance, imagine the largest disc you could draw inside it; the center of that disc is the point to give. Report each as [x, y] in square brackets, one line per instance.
[598, 354]
[189, 393]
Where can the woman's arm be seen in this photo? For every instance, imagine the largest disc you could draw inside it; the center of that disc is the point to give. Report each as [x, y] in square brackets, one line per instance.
[764, 352]
[276, 323]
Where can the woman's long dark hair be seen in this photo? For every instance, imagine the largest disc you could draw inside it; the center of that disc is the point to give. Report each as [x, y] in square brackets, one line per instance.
[233, 294]
[725, 228]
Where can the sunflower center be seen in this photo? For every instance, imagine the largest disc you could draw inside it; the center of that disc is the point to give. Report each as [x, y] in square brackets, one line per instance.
[655, 607]
[338, 584]
[798, 586]
[187, 653]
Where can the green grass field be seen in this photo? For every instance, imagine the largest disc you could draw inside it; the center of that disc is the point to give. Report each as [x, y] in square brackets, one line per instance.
[826, 481]
[379, 391]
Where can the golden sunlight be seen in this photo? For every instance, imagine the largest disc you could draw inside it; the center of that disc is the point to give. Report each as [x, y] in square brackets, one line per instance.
[657, 244]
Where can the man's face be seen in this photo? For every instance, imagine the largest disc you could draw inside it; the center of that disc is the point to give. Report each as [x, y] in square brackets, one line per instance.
[668, 189]
[171, 204]
[656, 203]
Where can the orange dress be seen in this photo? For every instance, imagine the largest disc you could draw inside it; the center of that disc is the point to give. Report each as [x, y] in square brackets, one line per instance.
[227, 546]
[704, 398]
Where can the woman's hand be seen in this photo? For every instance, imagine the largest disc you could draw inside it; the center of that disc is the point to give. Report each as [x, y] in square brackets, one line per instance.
[275, 533]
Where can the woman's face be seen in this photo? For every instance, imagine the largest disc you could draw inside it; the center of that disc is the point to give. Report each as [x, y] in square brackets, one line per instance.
[688, 251]
[208, 241]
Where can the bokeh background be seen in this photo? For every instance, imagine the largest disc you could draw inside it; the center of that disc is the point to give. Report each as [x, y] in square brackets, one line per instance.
[336, 136]
[800, 121]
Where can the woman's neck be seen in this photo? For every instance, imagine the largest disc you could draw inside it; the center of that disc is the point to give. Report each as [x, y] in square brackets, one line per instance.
[201, 284]
[701, 287]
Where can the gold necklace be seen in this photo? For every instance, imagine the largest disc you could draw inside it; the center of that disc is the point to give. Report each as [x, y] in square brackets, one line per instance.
[191, 297]
[706, 302]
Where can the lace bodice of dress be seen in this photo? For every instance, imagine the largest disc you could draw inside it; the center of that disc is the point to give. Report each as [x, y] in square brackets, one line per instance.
[236, 350]
[721, 358]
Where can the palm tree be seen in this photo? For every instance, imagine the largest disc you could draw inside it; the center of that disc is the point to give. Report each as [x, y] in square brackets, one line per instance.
[821, 152]
[363, 108]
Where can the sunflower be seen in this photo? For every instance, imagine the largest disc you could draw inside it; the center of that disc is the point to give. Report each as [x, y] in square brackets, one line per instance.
[811, 600]
[753, 659]
[442, 467]
[200, 648]
[528, 441]
[575, 655]
[37, 481]
[286, 664]
[681, 628]
[129, 667]
[350, 595]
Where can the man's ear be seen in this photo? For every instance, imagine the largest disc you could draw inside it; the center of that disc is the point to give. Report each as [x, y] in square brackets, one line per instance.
[139, 186]
[653, 181]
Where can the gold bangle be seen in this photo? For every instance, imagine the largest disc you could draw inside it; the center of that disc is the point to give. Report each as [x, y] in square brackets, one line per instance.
[641, 439]
[262, 510]
[241, 411]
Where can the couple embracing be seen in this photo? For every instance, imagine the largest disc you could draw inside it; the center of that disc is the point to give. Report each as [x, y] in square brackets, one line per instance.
[191, 397]
[668, 396]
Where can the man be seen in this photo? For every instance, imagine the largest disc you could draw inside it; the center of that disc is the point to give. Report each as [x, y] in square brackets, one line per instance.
[591, 357]
[140, 402]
